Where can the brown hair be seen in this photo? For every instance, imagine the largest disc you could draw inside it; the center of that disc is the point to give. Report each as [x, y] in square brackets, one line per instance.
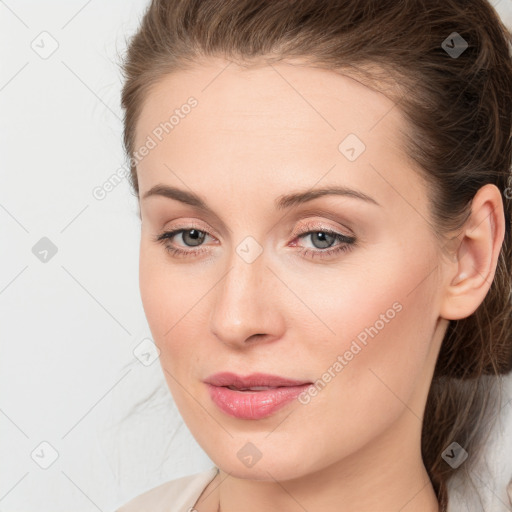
[459, 109]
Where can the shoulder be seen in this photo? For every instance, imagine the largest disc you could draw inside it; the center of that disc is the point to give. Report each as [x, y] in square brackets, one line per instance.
[179, 495]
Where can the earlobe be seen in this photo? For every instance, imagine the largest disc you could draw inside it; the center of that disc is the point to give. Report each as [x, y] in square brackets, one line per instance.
[471, 274]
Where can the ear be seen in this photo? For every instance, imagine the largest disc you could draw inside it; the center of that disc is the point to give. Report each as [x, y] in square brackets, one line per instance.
[469, 276]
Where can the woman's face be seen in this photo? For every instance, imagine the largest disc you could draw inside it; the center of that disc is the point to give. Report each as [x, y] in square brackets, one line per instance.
[341, 290]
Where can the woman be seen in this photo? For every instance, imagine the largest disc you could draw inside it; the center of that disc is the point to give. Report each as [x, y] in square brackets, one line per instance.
[325, 259]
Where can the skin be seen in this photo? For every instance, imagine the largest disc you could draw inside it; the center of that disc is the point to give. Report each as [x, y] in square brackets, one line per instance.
[255, 135]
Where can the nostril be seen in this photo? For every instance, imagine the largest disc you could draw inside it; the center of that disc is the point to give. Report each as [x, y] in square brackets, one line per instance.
[254, 335]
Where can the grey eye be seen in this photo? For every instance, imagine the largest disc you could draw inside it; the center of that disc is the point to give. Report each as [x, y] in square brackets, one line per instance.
[195, 236]
[326, 240]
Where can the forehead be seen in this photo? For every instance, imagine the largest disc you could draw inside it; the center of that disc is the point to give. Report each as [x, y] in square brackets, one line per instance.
[290, 120]
[282, 96]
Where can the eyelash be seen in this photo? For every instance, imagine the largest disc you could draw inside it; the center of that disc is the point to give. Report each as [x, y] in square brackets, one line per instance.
[347, 243]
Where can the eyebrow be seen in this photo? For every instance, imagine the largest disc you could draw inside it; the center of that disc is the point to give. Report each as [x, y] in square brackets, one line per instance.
[281, 203]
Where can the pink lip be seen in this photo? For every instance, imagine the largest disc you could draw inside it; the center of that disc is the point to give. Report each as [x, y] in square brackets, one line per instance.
[256, 404]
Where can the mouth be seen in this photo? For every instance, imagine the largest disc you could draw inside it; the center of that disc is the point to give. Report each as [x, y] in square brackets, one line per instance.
[252, 397]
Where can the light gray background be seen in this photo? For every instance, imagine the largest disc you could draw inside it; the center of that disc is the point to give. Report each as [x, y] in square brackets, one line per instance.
[70, 322]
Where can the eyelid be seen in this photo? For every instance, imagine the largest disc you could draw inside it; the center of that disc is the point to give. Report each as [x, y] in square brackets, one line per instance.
[321, 226]
[191, 224]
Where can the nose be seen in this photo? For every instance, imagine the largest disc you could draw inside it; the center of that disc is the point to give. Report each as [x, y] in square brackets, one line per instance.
[247, 305]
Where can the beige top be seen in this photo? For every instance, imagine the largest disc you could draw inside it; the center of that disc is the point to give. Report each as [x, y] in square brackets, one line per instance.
[179, 495]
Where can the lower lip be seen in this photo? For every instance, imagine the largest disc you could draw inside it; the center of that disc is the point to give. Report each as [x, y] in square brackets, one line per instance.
[253, 405]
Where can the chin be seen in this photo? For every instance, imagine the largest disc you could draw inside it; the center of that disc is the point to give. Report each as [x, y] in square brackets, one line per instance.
[273, 464]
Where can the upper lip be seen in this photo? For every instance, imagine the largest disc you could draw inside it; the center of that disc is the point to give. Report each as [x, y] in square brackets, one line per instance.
[252, 380]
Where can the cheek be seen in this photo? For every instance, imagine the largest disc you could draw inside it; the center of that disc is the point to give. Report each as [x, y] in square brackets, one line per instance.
[173, 299]
[384, 319]
[383, 298]
[165, 289]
